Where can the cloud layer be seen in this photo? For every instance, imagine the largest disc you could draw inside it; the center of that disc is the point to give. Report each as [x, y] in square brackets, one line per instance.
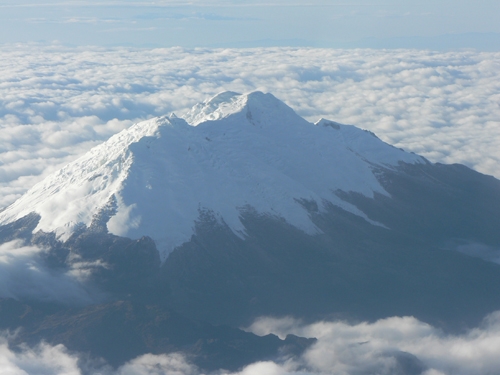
[398, 345]
[57, 102]
[402, 346]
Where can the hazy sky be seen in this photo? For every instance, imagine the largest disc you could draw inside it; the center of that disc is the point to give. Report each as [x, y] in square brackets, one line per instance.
[438, 24]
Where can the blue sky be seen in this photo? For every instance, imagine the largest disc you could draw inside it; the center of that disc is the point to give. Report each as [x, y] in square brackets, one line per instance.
[438, 24]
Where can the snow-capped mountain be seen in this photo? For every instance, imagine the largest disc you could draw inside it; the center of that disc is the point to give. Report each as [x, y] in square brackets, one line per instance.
[241, 210]
[230, 154]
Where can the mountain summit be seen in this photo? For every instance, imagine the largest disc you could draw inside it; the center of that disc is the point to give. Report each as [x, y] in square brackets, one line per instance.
[230, 154]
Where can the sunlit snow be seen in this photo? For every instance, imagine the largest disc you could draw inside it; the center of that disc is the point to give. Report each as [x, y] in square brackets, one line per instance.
[231, 153]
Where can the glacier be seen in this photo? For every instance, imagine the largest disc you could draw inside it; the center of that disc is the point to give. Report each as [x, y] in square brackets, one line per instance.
[230, 154]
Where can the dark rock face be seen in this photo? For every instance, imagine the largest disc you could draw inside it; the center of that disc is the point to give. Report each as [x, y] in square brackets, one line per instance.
[353, 270]
[123, 267]
[137, 317]
[436, 202]
[20, 229]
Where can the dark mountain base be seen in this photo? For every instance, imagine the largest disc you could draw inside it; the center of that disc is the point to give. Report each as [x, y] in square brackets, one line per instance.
[353, 270]
[122, 330]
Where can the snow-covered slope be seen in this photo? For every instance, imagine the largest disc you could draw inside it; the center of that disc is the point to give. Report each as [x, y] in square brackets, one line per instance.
[231, 153]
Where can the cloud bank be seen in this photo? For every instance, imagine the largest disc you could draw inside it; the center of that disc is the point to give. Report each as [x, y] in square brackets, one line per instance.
[57, 102]
[398, 345]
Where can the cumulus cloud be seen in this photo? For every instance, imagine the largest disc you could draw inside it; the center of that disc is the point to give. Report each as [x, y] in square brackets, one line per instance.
[57, 102]
[42, 360]
[24, 275]
[45, 359]
[398, 345]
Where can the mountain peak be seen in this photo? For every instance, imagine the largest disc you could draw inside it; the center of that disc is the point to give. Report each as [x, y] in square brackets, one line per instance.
[246, 153]
[256, 107]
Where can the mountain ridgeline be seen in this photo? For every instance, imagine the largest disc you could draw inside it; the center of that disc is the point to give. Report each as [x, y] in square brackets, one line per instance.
[243, 209]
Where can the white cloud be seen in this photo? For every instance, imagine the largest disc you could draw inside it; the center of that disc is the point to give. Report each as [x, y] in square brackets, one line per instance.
[56, 102]
[149, 364]
[42, 360]
[23, 275]
[397, 345]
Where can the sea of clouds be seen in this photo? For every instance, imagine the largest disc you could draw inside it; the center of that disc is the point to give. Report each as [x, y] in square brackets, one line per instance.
[393, 346]
[57, 102]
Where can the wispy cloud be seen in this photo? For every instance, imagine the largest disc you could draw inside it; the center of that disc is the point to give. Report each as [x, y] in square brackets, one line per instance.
[23, 274]
[193, 16]
[75, 20]
[175, 3]
[121, 29]
[89, 20]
